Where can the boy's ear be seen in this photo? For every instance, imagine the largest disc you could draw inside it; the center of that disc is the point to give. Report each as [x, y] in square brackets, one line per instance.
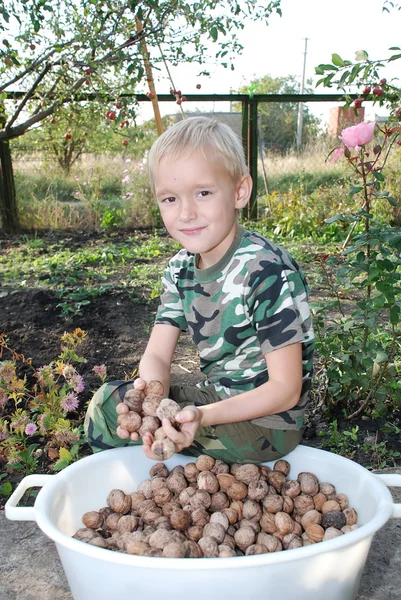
[244, 189]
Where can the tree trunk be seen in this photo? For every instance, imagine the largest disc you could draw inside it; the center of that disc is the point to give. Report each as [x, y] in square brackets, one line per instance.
[8, 200]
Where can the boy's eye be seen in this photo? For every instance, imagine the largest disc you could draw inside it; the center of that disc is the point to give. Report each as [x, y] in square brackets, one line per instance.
[168, 200]
[204, 193]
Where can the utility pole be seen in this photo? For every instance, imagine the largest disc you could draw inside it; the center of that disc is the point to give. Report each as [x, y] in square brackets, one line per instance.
[300, 105]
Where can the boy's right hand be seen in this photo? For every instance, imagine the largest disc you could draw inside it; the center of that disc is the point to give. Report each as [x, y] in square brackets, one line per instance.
[139, 384]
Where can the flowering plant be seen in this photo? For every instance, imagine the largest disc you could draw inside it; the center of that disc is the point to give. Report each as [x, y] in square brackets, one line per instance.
[38, 405]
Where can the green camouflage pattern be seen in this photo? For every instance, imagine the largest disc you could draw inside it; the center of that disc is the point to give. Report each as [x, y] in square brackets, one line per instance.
[252, 302]
[235, 442]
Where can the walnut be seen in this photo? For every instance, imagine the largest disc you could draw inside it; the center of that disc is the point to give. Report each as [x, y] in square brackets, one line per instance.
[105, 511]
[209, 547]
[214, 530]
[186, 495]
[327, 489]
[136, 547]
[111, 521]
[85, 534]
[291, 488]
[315, 532]
[205, 462]
[181, 520]
[191, 472]
[252, 510]
[234, 467]
[133, 399]
[163, 523]
[157, 483]
[273, 504]
[254, 525]
[238, 507]
[225, 551]
[200, 517]
[291, 540]
[348, 528]
[99, 542]
[153, 552]
[176, 482]
[284, 523]
[244, 537]
[229, 540]
[303, 503]
[351, 516]
[272, 543]
[192, 549]
[178, 536]
[257, 490]
[195, 532]
[136, 499]
[93, 519]
[225, 480]
[219, 500]
[170, 507]
[221, 518]
[154, 387]
[318, 500]
[160, 538]
[309, 483]
[159, 470]
[149, 425]
[288, 505]
[162, 496]
[237, 491]
[178, 469]
[342, 500]
[146, 505]
[151, 515]
[151, 404]
[168, 409]
[330, 505]
[312, 516]
[276, 479]
[130, 421]
[268, 523]
[119, 502]
[256, 549]
[231, 515]
[145, 488]
[163, 449]
[297, 529]
[159, 434]
[282, 466]
[201, 499]
[147, 532]
[220, 467]
[263, 472]
[330, 533]
[334, 518]
[127, 523]
[208, 481]
[247, 473]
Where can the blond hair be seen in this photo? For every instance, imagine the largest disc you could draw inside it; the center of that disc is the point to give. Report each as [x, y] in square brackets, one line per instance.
[202, 134]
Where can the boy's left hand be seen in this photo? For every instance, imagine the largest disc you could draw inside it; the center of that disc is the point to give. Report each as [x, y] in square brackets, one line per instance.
[189, 419]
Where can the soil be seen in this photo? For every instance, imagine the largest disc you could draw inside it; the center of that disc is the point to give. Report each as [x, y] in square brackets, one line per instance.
[117, 325]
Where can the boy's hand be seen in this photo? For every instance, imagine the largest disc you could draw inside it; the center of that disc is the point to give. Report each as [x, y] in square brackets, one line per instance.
[189, 419]
[139, 384]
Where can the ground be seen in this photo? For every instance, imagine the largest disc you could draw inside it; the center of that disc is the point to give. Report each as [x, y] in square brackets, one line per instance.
[117, 324]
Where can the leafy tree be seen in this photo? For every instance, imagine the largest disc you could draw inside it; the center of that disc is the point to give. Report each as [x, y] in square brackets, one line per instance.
[62, 48]
[278, 120]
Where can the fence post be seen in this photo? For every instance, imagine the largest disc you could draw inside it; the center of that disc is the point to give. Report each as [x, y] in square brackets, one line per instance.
[253, 157]
[245, 141]
[8, 200]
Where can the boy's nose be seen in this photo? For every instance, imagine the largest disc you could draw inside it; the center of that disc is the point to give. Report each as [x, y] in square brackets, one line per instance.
[188, 211]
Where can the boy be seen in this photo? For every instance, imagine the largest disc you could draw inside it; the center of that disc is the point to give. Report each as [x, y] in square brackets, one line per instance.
[243, 299]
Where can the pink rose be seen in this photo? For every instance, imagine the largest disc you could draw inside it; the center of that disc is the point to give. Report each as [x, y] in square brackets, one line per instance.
[358, 135]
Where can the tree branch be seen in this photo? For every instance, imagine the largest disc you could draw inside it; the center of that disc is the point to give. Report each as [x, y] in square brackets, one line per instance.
[28, 95]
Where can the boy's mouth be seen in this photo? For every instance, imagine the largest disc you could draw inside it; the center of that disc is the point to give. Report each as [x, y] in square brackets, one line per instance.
[192, 230]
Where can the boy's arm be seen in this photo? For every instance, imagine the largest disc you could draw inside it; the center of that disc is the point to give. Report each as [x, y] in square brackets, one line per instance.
[156, 361]
[280, 393]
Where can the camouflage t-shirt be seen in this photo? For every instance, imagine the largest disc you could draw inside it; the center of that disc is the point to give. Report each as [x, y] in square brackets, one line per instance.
[252, 302]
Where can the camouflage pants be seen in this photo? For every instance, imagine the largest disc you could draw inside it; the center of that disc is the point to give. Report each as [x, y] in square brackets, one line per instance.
[234, 442]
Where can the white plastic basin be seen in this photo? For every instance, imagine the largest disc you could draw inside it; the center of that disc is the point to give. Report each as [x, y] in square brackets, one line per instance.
[329, 570]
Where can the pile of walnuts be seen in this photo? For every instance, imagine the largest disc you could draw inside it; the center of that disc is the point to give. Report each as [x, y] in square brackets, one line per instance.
[147, 409]
[209, 509]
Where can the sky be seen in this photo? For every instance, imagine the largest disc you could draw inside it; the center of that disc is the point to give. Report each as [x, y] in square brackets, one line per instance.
[277, 49]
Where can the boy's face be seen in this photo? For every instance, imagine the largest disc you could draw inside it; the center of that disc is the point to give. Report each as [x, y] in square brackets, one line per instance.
[198, 202]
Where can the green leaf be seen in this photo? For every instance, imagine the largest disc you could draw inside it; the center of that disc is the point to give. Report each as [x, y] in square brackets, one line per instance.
[337, 60]
[361, 55]
[377, 175]
[214, 33]
[335, 218]
[355, 189]
[394, 57]
[395, 314]
[65, 454]
[36, 26]
[381, 357]
[392, 201]
[5, 489]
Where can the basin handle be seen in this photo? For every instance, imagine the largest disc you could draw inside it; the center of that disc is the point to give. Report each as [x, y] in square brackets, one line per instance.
[24, 513]
[392, 480]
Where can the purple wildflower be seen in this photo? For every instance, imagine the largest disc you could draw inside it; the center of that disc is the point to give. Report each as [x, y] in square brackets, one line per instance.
[30, 429]
[78, 384]
[7, 371]
[3, 399]
[99, 370]
[70, 402]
